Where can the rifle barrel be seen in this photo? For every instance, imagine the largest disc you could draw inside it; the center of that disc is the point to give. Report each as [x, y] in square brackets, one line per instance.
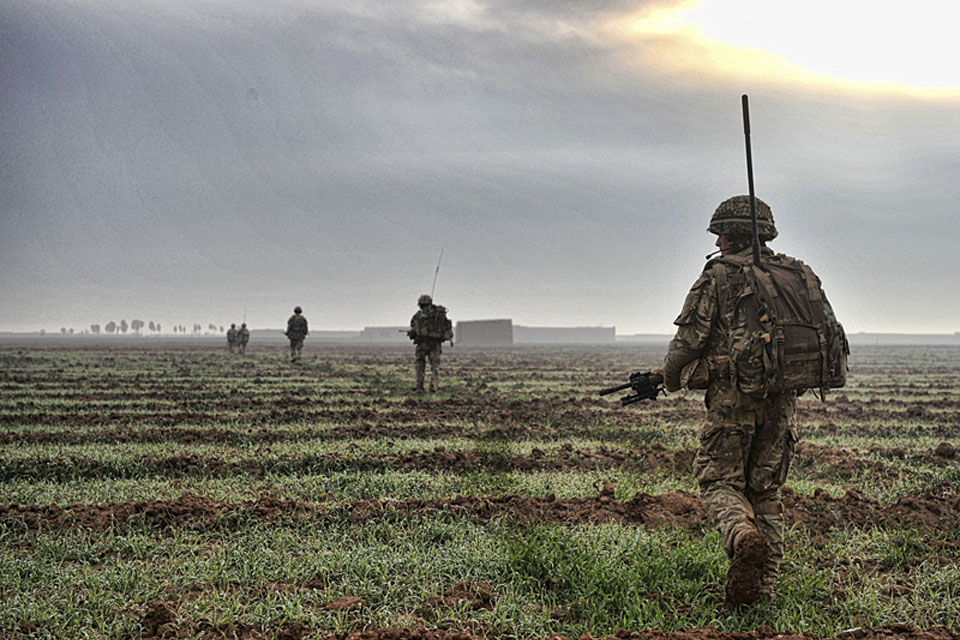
[619, 387]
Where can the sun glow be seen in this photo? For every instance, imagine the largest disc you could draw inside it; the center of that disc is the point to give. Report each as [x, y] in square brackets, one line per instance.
[902, 47]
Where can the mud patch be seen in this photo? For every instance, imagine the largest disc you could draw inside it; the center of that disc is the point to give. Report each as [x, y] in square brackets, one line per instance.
[438, 459]
[346, 603]
[678, 509]
[472, 595]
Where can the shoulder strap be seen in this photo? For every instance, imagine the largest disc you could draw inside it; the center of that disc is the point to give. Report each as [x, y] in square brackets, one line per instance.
[723, 288]
[813, 293]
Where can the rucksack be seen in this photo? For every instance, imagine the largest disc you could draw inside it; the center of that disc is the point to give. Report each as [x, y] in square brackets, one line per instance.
[435, 325]
[781, 336]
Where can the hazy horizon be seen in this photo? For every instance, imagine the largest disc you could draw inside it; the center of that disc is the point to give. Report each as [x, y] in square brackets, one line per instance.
[192, 162]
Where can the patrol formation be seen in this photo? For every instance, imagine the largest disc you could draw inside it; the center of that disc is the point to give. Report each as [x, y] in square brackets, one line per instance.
[755, 332]
[237, 339]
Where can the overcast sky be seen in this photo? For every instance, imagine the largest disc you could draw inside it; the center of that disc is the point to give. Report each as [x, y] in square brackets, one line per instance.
[189, 161]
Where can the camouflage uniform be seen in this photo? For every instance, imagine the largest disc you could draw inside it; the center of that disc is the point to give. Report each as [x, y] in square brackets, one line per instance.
[243, 337]
[232, 337]
[747, 441]
[296, 332]
[427, 348]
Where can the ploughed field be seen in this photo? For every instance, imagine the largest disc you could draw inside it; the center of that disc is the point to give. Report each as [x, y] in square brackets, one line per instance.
[195, 493]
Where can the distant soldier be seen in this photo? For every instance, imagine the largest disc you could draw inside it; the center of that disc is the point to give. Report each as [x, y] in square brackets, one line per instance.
[243, 337]
[429, 328]
[754, 338]
[232, 337]
[296, 332]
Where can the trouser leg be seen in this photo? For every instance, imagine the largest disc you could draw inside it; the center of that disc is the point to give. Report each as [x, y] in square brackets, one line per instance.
[434, 368]
[720, 471]
[420, 366]
[769, 463]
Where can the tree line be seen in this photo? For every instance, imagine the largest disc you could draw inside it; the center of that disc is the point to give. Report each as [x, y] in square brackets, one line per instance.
[136, 326]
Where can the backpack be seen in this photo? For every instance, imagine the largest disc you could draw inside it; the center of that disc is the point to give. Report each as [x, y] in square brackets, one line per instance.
[781, 338]
[435, 325]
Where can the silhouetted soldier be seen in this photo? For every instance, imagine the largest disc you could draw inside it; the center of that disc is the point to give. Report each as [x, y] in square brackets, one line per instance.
[243, 337]
[232, 337]
[296, 332]
[429, 328]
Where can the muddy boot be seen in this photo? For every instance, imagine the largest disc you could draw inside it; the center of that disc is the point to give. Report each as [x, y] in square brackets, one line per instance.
[747, 568]
[433, 386]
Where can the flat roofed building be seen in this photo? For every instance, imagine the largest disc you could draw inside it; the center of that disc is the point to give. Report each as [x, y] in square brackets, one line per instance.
[484, 333]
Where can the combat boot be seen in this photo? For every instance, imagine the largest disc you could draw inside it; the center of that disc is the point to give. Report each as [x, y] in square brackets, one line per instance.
[745, 577]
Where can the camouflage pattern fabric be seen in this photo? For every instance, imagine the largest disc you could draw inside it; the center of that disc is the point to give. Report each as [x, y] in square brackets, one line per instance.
[747, 441]
[746, 446]
[296, 332]
[428, 350]
[243, 337]
[732, 218]
[427, 323]
[297, 327]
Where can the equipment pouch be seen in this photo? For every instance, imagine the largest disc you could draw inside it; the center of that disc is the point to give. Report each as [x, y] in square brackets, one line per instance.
[695, 375]
[749, 362]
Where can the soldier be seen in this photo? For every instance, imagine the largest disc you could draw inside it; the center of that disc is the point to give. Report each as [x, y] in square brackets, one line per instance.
[243, 337]
[232, 337]
[429, 327]
[296, 332]
[749, 435]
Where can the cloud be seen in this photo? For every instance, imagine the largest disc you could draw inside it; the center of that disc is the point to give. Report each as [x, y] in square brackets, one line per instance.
[189, 158]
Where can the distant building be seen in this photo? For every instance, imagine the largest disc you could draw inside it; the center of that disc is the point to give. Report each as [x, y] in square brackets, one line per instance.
[564, 335]
[384, 334]
[484, 333]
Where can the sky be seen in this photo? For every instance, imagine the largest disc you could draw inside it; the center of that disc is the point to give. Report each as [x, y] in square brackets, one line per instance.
[208, 160]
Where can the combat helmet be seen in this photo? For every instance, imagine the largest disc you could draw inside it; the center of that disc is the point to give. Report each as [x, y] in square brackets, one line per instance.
[732, 218]
[424, 299]
[297, 310]
[233, 325]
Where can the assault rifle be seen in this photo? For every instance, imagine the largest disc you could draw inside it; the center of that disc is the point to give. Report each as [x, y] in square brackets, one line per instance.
[645, 386]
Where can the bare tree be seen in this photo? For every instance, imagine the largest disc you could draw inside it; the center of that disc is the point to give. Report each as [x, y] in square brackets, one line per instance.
[111, 327]
[63, 330]
[136, 325]
[95, 328]
[124, 326]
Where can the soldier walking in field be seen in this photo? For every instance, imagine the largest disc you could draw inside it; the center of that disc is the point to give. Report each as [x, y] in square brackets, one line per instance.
[755, 337]
[429, 328]
[232, 337]
[243, 337]
[296, 332]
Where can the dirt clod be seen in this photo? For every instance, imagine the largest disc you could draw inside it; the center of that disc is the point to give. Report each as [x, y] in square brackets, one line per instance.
[159, 614]
[946, 450]
[472, 595]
